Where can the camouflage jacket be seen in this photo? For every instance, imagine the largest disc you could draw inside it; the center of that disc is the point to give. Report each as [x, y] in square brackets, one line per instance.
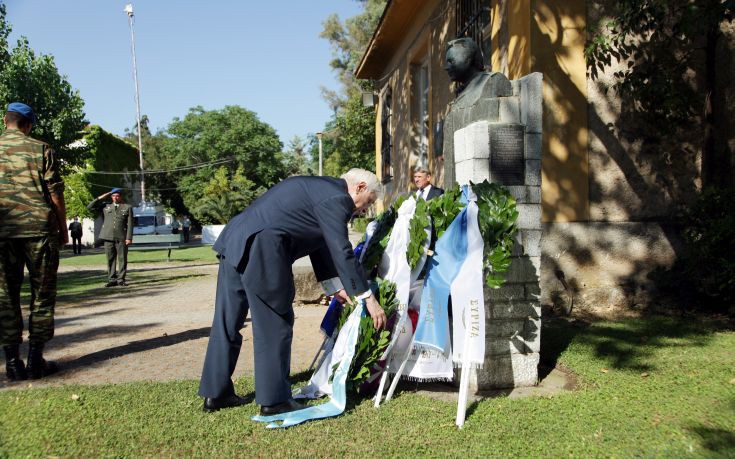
[28, 176]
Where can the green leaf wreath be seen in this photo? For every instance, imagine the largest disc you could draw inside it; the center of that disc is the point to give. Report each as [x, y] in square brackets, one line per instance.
[371, 343]
[497, 217]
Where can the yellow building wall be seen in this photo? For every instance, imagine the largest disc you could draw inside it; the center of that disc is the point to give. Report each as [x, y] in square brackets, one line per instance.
[548, 36]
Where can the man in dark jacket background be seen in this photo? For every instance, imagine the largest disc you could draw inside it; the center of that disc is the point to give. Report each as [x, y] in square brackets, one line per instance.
[299, 216]
[117, 234]
[75, 229]
[424, 189]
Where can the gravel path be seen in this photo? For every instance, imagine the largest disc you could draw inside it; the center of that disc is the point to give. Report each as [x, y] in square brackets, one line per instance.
[154, 329]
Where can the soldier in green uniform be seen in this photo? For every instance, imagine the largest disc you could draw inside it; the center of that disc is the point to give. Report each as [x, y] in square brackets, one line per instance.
[117, 233]
[33, 216]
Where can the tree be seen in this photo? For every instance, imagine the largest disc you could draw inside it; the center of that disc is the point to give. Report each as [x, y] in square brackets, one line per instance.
[295, 158]
[225, 196]
[662, 42]
[353, 126]
[35, 80]
[232, 136]
[348, 41]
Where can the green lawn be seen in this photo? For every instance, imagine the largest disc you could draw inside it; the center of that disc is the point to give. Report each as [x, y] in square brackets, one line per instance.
[89, 281]
[652, 387]
[202, 254]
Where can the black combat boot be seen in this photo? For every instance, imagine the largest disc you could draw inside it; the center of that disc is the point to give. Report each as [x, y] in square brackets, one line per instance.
[14, 367]
[37, 366]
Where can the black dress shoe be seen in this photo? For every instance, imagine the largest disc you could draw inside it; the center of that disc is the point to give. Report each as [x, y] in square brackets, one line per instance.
[111, 284]
[216, 404]
[122, 283]
[280, 408]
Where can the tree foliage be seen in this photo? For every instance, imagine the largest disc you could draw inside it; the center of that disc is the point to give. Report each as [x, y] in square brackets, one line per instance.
[350, 135]
[296, 158]
[348, 42]
[101, 151]
[245, 149]
[226, 195]
[34, 79]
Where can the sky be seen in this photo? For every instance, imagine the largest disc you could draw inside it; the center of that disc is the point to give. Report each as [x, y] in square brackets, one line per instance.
[264, 55]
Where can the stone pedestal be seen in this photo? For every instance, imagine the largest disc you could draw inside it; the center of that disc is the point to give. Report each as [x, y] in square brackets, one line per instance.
[505, 148]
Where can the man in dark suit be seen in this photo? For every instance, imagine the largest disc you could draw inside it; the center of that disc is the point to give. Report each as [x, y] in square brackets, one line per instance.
[299, 216]
[422, 180]
[75, 229]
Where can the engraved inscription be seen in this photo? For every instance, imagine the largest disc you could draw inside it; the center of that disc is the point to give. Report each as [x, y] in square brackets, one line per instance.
[507, 166]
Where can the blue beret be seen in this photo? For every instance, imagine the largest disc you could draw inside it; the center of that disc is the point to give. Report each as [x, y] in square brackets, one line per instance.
[116, 190]
[23, 109]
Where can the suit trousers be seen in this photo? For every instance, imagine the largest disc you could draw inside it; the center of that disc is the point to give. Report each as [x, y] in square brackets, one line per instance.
[76, 244]
[265, 288]
[117, 259]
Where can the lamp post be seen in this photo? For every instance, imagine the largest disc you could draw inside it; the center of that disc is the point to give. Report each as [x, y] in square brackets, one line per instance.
[129, 11]
[319, 136]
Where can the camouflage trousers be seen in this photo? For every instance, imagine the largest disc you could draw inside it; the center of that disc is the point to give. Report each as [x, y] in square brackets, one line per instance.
[41, 256]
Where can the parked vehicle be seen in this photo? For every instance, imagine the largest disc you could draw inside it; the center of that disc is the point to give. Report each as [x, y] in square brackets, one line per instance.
[150, 218]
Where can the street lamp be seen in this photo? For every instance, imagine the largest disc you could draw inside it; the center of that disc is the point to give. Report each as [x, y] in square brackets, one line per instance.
[129, 11]
[319, 136]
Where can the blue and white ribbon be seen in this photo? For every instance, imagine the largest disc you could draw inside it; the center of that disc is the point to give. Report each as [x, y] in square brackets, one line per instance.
[468, 304]
[432, 329]
[338, 400]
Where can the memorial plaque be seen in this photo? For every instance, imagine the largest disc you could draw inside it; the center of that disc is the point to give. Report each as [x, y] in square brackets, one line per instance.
[507, 165]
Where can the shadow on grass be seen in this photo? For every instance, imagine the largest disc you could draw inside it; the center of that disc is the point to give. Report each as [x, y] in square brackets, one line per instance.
[556, 335]
[719, 441]
[85, 288]
[128, 348]
[626, 345]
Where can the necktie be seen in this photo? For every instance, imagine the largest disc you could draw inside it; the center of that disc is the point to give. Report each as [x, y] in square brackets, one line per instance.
[420, 194]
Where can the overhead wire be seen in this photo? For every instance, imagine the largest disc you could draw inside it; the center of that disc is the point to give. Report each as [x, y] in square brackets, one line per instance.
[161, 171]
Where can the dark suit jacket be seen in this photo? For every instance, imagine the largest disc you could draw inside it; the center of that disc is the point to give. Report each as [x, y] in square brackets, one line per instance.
[433, 192]
[75, 228]
[313, 212]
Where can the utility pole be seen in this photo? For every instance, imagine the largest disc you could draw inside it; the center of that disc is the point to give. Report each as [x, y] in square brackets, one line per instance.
[319, 136]
[129, 11]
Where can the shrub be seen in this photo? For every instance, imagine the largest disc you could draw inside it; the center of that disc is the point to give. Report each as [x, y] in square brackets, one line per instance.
[703, 277]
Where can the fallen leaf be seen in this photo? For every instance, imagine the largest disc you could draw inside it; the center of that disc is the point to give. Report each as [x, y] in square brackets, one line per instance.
[732, 381]
[644, 375]
[74, 397]
[604, 370]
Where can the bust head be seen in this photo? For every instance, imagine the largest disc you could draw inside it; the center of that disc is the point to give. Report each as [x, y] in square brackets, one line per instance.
[463, 60]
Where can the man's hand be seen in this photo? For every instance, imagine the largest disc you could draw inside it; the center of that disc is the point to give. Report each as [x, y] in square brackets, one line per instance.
[376, 312]
[342, 297]
[128, 241]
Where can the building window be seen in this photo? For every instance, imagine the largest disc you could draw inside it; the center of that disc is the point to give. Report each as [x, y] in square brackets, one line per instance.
[473, 21]
[386, 129]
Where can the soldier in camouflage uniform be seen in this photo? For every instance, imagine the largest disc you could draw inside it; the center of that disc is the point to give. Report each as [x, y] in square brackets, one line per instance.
[117, 233]
[33, 216]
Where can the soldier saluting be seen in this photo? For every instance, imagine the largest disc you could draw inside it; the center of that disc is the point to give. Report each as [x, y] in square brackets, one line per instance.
[33, 216]
[117, 234]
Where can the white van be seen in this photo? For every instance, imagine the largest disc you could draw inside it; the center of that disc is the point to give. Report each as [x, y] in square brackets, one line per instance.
[150, 218]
